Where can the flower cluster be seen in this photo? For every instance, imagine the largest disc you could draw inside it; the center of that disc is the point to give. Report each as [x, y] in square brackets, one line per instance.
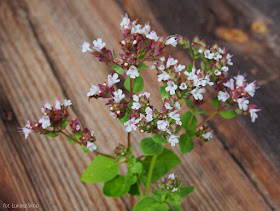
[54, 121]
[170, 183]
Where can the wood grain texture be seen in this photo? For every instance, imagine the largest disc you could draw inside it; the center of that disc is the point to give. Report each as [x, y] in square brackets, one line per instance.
[40, 59]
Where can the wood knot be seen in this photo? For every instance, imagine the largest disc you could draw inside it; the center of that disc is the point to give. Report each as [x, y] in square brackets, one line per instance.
[259, 27]
[232, 34]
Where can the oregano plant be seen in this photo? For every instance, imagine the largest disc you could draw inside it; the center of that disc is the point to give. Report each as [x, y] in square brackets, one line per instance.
[181, 85]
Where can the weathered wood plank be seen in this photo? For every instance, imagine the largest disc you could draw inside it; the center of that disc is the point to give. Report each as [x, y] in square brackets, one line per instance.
[52, 65]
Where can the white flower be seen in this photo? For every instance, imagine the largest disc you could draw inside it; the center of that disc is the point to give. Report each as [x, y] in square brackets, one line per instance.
[171, 87]
[253, 113]
[217, 72]
[132, 72]
[149, 114]
[67, 103]
[98, 45]
[173, 140]
[131, 124]
[146, 94]
[93, 90]
[197, 93]
[171, 41]
[207, 79]
[223, 96]
[162, 58]
[240, 79]
[171, 176]
[183, 86]
[78, 127]
[91, 146]
[136, 28]
[146, 29]
[118, 95]
[85, 47]
[45, 121]
[177, 105]
[125, 22]
[113, 79]
[200, 51]
[162, 125]
[167, 106]
[230, 84]
[229, 62]
[161, 67]
[251, 88]
[179, 68]
[57, 104]
[243, 103]
[153, 36]
[207, 136]
[217, 56]
[136, 105]
[171, 61]
[224, 68]
[47, 105]
[191, 75]
[221, 51]
[208, 54]
[174, 115]
[174, 190]
[113, 115]
[26, 132]
[163, 77]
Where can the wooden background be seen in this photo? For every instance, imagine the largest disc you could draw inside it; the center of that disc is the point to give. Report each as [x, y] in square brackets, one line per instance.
[40, 59]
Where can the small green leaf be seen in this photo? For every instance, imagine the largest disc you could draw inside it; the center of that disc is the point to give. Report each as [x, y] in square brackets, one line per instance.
[116, 187]
[189, 68]
[71, 141]
[164, 94]
[136, 168]
[150, 204]
[101, 169]
[228, 114]
[138, 84]
[185, 143]
[118, 69]
[64, 124]
[51, 134]
[215, 102]
[184, 191]
[125, 118]
[149, 147]
[188, 120]
[141, 57]
[84, 148]
[141, 67]
[158, 139]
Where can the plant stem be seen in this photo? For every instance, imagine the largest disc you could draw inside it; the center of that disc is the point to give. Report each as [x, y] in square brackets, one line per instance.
[130, 96]
[139, 187]
[150, 174]
[73, 139]
[210, 117]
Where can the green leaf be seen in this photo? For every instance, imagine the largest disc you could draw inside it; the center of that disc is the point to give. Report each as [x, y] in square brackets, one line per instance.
[136, 168]
[141, 67]
[118, 69]
[138, 84]
[125, 118]
[150, 204]
[84, 148]
[134, 190]
[216, 102]
[141, 57]
[101, 169]
[184, 191]
[71, 141]
[117, 187]
[188, 120]
[191, 132]
[159, 195]
[51, 134]
[185, 143]
[228, 114]
[158, 139]
[64, 124]
[166, 161]
[189, 69]
[164, 94]
[149, 147]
